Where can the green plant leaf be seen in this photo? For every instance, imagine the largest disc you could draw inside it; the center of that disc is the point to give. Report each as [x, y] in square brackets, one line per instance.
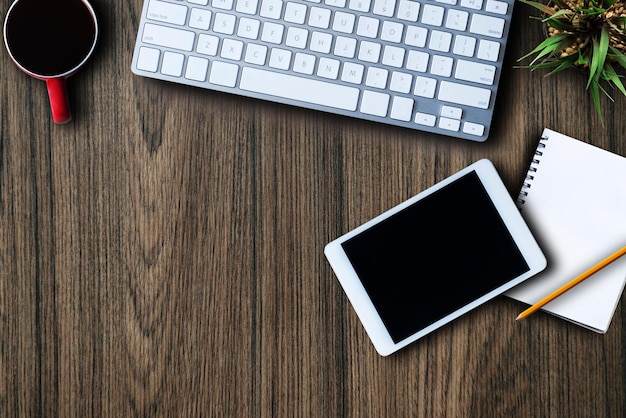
[565, 63]
[561, 24]
[611, 76]
[598, 57]
[595, 11]
[620, 21]
[594, 91]
[564, 42]
[541, 65]
[547, 46]
[563, 12]
[618, 56]
[540, 6]
[617, 25]
[561, 4]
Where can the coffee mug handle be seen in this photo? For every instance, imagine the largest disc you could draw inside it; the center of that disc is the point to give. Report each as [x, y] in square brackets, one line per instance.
[57, 91]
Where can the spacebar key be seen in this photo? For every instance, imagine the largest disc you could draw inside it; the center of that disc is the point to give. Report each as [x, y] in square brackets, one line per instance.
[298, 88]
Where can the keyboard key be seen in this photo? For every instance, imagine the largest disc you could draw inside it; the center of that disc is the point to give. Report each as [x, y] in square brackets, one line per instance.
[374, 103]
[248, 28]
[432, 15]
[464, 94]
[425, 87]
[408, 10]
[148, 59]
[304, 63]
[451, 112]
[464, 45]
[441, 65]
[487, 26]
[232, 49]
[440, 41]
[280, 59]
[301, 89]
[393, 56]
[457, 20]
[271, 8]
[359, 5]
[197, 68]
[167, 12]
[200, 19]
[384, 7]
[255, 54]
[425, 119]
[295, 12]
[319, 18]
[272, 33]
[392, 32]
[401, 82]
[488, 50]
[328, 68]
[368, 27]
[376, 77]
[207, 44]
[416, 36]
[352, 73]
[402, 108]
[417, 61]
[246, 6]
[475, 72]
[168, 37]
[345, 47]
[224, 23]
[222, 4]
[474, 128]
[296, 37]
[495, 6]
[344, 22]
[449, 124]
[223, 74]
[172, 64]
[369, 51]
[472, 4]
[321, 42]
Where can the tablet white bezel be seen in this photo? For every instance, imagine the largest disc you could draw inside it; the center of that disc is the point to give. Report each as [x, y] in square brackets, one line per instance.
[359, 298]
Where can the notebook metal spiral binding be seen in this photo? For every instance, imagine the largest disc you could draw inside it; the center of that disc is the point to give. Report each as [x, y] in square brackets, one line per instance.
[521, 199]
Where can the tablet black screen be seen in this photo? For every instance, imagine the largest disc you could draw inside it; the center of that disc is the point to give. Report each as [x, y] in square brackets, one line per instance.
[435, 256]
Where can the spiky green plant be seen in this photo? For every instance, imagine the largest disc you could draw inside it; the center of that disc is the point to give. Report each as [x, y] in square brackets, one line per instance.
[588, 34]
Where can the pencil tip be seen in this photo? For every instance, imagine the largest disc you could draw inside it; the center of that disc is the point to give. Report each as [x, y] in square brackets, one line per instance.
[519, 317]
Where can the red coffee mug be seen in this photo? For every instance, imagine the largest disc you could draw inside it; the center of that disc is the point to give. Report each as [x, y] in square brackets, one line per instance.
[50, 40]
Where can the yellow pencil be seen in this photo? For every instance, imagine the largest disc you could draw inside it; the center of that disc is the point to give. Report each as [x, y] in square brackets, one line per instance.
[571, 284]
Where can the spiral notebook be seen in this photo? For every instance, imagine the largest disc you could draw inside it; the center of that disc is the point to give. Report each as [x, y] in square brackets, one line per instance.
[574, 201]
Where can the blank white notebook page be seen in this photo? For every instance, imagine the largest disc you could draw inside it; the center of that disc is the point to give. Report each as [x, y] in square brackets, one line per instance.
[574, 201]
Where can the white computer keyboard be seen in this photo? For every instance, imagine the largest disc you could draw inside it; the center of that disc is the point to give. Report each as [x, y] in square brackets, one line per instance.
[427, 65]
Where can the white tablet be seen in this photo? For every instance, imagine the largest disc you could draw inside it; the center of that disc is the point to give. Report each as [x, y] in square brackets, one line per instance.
[434, 257]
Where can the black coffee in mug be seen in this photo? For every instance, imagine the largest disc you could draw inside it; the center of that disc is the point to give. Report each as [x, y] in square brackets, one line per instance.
[50, 37]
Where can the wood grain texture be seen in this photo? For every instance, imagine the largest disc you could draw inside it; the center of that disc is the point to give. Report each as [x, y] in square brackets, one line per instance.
[162, 255]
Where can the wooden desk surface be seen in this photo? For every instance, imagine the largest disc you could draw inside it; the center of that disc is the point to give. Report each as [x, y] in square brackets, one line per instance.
[162, 255]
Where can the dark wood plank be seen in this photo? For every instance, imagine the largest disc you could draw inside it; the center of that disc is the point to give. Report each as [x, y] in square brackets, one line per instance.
[162, 255]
